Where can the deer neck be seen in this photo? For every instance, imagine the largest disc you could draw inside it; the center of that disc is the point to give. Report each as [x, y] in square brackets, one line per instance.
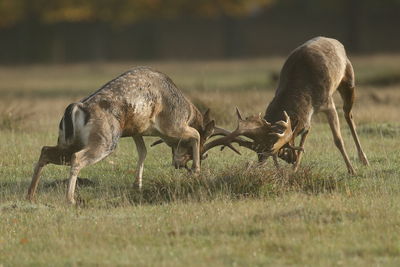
[196, 119]
[298, 107]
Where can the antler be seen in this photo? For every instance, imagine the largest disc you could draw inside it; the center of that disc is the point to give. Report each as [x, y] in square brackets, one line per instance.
[217, 131]
[231, 137]
[286, 136]
[257, 129]
[227, 140]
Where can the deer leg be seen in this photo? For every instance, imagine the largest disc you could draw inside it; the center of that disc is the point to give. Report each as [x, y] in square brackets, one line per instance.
[300, 152]
[49, 154]
[276, 163]
[142, 152]
[81, 159]
[347, 94]
[262, 158]
[35, 180]
[193, 136]
[333, 120]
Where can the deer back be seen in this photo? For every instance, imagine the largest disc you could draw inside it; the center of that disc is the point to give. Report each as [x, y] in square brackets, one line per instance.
[143, 101]
[308, 78]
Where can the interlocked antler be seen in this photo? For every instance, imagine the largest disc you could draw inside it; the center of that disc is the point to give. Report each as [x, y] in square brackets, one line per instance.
[257, 129]
[227, 140]
[233, 137]
[284, 137]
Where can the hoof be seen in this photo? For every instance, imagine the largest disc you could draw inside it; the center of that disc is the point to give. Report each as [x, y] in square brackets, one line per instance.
[71, 202]
[195, 171]
[29, 198]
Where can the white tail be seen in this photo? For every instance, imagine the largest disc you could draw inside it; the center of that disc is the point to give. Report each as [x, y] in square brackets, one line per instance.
[74, 126]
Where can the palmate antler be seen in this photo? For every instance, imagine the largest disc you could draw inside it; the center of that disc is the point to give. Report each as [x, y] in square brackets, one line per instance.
[217, 132]
[227, 140]
[285, 137]
[267, 138]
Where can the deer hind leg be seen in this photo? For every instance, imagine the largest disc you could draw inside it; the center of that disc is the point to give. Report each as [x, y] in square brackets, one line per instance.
[300, 152]
[49, 154]
[142, 152]
[81, 159]
[346, 91]
[333, 120]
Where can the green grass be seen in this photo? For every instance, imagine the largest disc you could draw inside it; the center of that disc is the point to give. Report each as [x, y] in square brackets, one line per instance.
[233, 213]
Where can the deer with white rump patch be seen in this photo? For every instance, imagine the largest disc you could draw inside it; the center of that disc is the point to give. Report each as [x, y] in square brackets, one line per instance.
[140, 102]
[309, 78]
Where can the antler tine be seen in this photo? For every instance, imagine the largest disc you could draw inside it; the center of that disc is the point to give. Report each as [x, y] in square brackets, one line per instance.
[228, 139]
[223, 141]
[220, 131]
[282, 123]
[239, 114]
[286, 123]
[286, 116]
[286, 136]
[266, 122]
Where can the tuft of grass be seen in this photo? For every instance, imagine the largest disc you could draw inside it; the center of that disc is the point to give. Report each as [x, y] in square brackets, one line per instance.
[389, 130]
[233, 213]
[235, 183]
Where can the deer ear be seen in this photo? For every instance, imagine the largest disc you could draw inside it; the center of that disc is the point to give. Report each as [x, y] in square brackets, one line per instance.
[209, 129]
[238, 114]
[206, 116]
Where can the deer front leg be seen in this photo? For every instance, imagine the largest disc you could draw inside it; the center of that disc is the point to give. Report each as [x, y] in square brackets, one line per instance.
[276, 163]
[333, 120]
[347, 93]
[300, 151]
[142, 152]
[48, 154]
[193, 136]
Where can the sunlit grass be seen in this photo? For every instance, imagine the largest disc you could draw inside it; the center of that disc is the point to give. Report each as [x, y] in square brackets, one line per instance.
[234, 213]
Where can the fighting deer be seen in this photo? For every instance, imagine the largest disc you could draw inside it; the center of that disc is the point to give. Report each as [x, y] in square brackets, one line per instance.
[309, 78]
[140, 102]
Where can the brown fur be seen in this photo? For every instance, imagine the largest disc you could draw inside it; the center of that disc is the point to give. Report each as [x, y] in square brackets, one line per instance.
[140, 102]
[309, 78]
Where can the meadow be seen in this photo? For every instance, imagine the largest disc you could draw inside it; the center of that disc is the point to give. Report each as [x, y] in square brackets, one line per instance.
[234, 213]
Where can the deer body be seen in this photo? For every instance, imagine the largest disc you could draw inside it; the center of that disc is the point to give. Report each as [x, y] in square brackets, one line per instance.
[140, 102]
[308, 79]
[310, 76]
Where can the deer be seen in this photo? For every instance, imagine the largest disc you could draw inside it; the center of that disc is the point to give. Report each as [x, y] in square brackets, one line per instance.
[140, 102]
[310, 76]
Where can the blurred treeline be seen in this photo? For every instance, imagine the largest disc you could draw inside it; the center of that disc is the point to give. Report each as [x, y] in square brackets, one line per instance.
[85, 30]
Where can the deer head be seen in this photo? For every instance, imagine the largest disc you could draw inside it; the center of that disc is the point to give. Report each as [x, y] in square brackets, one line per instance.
[267, 138]
[182, 152]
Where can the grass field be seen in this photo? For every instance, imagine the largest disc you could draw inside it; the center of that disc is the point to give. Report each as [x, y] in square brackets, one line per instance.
[234, 213]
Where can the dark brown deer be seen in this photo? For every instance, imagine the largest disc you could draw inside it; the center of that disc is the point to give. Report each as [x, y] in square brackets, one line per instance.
[140, 102]
[309, 78]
